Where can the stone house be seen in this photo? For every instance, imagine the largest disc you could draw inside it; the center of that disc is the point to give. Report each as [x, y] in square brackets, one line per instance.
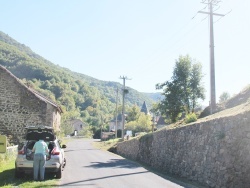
[112, 123]
[21, 106]
[160, 122]
[77, 124]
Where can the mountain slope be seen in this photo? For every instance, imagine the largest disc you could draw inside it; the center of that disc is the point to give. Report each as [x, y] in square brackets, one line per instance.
[79, 95]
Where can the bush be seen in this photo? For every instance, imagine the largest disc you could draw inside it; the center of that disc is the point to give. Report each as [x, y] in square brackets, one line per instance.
[86, 132]
[191, 118]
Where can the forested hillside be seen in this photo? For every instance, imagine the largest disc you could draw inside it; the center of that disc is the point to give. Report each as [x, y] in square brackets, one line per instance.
[79, 95]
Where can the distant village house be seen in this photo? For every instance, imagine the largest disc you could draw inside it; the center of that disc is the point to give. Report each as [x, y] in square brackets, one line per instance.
[77, 125]
[118, 120]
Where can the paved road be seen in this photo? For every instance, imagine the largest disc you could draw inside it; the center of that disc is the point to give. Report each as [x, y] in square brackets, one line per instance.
[94, 168]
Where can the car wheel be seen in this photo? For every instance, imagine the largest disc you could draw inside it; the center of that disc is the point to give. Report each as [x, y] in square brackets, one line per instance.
[59, 173]
[17, 173]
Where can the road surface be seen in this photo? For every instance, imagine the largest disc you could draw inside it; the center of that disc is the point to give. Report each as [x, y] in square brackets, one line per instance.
[93, 168]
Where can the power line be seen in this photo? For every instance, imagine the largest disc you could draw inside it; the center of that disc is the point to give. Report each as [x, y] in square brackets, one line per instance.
[160, 50]
[155, 58]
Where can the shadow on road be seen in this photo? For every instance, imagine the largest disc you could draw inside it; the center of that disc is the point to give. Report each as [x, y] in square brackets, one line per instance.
[105, 177]
[117, 163]
[78, 150]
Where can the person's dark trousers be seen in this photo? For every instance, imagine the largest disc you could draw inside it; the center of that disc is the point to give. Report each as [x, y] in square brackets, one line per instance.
[39, 165]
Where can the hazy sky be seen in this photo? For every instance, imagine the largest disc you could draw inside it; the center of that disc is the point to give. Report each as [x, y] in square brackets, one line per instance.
[140, 39]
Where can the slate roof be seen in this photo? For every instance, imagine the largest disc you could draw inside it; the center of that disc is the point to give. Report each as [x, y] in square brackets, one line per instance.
[144, 108]
[161, 121]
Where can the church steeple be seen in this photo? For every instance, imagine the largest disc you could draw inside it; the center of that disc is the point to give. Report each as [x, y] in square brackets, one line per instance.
[144, 108]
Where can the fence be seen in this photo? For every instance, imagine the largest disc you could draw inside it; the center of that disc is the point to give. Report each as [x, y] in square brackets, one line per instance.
[10, 152]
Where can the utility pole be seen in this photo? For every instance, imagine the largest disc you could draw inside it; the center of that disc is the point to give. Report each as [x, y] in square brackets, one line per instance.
[116, 114]
[211, 4]
[124, 91]
[101, 127]
[153, 123]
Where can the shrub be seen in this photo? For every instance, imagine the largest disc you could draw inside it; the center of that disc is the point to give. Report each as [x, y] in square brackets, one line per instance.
[191, 118]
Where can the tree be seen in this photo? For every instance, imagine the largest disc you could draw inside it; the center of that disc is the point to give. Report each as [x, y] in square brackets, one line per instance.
[183, 91]
[197, 90]
[142, 124]
[133, 113]
[224, 96]
[181, 80]
[86, 131]
[172, 105]
[66, 128]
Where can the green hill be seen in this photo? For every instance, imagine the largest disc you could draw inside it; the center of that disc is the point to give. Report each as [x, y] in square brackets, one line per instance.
[80, 96]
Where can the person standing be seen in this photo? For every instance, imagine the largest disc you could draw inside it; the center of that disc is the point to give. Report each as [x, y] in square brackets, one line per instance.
[40, 150]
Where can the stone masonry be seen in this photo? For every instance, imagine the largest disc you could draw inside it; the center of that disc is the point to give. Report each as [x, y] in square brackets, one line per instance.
[214, 151]
[21, 106]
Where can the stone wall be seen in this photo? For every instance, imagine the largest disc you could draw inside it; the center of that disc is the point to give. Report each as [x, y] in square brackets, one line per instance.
[214, 152]
[53, 117]
[19, 108]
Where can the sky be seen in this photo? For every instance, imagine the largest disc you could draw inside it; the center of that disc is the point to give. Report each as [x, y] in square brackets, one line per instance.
[139, 39]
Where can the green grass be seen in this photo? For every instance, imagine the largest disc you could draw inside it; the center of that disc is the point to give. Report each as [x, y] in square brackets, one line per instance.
[105, 145]
[7, 177]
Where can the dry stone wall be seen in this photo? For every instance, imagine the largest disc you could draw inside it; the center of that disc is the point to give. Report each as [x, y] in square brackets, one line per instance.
[213, 152]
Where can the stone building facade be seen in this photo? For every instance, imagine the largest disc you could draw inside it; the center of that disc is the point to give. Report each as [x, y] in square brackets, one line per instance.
[116, 121]
[77, 124]
[21, 106]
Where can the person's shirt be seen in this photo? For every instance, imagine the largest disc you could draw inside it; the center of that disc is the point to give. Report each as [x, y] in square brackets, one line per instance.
[40, 147]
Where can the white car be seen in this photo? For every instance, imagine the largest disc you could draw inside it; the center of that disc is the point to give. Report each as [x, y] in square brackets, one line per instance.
[55, 161]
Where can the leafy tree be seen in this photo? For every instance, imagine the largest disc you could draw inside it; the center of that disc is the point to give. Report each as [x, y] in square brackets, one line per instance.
[46, 85]
[68, 102]
[197, 90]
[133, 113]
[85, 114]
[181, 78]
[142, 124]
[86, 132]
[224, 96]
[57, 89]
[182, 93]
[67, 115]
[74, 87]
[172, 105]
[155, 109]
[66, 128]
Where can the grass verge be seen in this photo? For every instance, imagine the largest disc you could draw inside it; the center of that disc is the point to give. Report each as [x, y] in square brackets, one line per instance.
[106, 145]
[7, 177]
